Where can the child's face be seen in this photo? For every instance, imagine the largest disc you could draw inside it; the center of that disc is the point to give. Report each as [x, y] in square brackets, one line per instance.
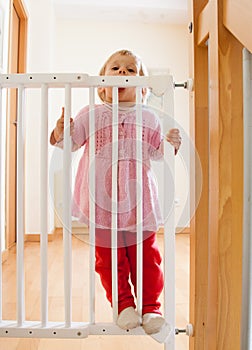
[122, 65]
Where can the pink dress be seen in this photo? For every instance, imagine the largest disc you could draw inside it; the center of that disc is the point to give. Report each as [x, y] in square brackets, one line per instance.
[127, 160]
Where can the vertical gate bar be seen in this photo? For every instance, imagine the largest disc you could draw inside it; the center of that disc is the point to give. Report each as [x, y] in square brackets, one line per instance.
[92, 201]
[44, 205]
[169, 224]
[114, 203]
[20, 209]
[139, 194]
[67, 225]
[1, 232]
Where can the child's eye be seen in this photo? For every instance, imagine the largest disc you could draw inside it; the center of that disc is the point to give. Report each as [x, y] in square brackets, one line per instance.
[114, 68]
[131, 70]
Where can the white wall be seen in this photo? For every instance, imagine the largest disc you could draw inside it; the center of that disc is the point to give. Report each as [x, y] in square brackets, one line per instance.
[40, 35]
[5, 9]
[39, 60]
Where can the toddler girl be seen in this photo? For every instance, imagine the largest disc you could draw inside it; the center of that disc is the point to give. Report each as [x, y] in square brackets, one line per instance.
[122, 63]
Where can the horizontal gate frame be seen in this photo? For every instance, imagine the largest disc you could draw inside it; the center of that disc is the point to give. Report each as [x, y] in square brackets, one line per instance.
[33, 329]
[158, 83]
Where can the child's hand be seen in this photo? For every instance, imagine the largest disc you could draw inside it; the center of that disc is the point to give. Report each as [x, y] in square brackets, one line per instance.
[173, 136]
[59, 129]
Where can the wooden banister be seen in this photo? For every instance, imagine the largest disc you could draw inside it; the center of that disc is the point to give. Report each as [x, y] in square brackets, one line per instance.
[237, 18]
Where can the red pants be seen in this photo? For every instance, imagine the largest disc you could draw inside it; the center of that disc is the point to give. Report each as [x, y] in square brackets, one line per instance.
[153, 281]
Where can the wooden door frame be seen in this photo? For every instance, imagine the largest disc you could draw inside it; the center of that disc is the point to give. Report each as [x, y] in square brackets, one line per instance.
[21, 12]
[216, 107]
[23, 16]
[198, 69]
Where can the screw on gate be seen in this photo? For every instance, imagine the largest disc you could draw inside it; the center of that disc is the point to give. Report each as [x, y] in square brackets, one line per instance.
[188, 330]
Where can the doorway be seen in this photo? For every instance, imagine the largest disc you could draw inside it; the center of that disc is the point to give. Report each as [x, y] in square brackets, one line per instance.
[17, 64]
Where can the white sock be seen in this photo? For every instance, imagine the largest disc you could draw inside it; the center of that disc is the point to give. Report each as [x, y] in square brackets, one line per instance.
[152, 323]
[128, 318]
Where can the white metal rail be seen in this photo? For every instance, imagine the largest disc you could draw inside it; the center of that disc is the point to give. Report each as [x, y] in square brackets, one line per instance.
[160, 85]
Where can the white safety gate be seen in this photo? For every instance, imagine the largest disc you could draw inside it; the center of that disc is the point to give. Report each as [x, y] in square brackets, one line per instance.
[160, 85]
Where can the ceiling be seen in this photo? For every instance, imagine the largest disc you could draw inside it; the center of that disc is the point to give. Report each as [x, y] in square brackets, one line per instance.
[161, 11]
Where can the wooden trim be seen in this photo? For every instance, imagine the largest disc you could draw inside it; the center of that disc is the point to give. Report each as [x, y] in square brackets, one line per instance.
[17, 7]
[58, 231]
[179, 230]
[35, 237]
[23, 16]
[84, 230]
[203, 25]
[239, 25]
[5, 255]
[20, 8]
[214, 158]
[216, 230]
[225, 190]
[199, 225]
[183, 230]
[76, 229]
[199, 183]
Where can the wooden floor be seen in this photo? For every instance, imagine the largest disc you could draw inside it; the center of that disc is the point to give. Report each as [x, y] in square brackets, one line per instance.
[80, 298]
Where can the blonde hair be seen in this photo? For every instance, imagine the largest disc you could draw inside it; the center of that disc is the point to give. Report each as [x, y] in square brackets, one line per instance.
[124, 52]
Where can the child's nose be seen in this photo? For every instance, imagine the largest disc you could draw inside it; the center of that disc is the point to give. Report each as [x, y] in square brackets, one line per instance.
[122, 71]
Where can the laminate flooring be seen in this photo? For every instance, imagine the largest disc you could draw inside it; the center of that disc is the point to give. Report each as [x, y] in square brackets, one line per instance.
[80, 288]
